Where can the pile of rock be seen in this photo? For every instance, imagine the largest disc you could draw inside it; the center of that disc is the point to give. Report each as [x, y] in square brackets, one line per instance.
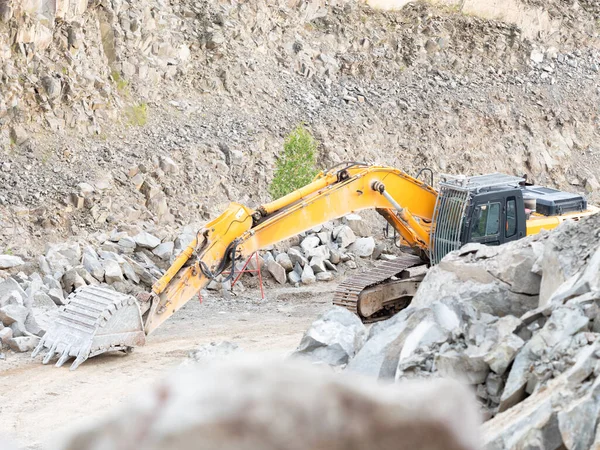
[29, 303]
[318, 254]
[518, 323]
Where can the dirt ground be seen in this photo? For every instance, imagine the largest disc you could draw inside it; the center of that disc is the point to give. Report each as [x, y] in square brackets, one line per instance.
[39, 403]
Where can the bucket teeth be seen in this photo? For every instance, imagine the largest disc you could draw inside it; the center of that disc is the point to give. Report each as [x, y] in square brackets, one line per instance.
[94, 320]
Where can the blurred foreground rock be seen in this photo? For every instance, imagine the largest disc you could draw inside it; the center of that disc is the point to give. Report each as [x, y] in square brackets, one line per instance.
[248, 405]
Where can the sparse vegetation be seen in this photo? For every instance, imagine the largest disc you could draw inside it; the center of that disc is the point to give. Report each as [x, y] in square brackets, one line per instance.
[137, 115]
[296, 166]
[122, 84]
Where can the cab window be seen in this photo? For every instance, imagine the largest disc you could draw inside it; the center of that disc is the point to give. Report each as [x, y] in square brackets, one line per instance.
[486, 220]
[511, 217]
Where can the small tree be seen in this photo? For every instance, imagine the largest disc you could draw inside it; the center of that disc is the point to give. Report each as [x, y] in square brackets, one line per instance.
[296, 167]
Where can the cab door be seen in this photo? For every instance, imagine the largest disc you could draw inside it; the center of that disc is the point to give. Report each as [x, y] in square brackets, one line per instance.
[497, 218]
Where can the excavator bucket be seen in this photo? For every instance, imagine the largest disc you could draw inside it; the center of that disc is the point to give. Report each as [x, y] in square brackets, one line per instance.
[94, 320]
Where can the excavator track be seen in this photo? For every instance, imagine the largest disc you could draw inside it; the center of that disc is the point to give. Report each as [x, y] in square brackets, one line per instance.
[348, 293]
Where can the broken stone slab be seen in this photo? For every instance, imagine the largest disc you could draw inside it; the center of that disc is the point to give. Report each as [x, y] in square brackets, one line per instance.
[10, 314]
[317, 264]
[12, 298]
[277, 271]
[503, 354]
[284, 260]
[534, 422]
[129, 272]
[9, 285]
[357, 225]
[5, 334]
[57, 296]
[333, 338]
[112, 271]
[308, 276]
[293, 277]
[93, 266]
[462, 367]
[42, 300]
[71, 280]
[127, 244]
[564, 322]
[23, 344]
[209, 405]
[310, 242]
[144, 274]
[10, 261]
[344, 236]
[324, 276]
[146, 240]
[62, 256]
[577, 422]
[164, 251]
[363, 247]
[322, 251]
[297, 257]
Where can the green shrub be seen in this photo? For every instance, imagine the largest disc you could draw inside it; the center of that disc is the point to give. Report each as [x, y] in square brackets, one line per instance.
[296, 167]
[137, 115]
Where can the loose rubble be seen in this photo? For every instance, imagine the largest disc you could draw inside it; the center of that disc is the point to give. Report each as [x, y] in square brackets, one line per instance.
[518, 323]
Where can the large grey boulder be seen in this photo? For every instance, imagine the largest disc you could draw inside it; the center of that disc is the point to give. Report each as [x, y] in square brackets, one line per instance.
[164, 251]
[12, 313]
[308, 276]
[276, 271]
[344, 236]
[297, 257]
[564, 323]
[112, 271]
[567, 250]
[284, 261]
[10, 261]
[93, 265]
[310, 242]
[562, 415]
[333, 338]
[9, 286]
[146, 240]
[492, 280]
[268, 405]
[363, 247]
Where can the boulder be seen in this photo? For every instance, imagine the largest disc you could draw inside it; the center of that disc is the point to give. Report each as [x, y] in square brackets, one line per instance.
[322, 251]
[5, 334]
[492, 280]
[112, 271]
[503, 354]
[129, 272]
[564, 322]
[310, 242]
[10, 314]
[277, 271]
[462, 367]
[11, 298]
[293, 277]
[324, 276]
[363, 247]
[10, 261]
[308, 276]
[57, 296]
[333, 338]
[297, 257]
[357, 225]
[23, 344]
[284, 261]
[71, 280]
[317, 264]
[9, 286]
[344, 236]
[146, 240]
[93, 265]
[241, 405]
[164, 251]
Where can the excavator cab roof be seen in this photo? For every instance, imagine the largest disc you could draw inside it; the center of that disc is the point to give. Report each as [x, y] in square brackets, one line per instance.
[479, 183]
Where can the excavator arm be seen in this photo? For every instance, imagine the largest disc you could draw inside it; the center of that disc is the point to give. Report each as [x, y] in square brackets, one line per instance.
[405, 202]
[97, 320]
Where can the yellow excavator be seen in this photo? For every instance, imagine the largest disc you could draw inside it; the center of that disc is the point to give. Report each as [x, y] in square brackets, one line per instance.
[490, 209]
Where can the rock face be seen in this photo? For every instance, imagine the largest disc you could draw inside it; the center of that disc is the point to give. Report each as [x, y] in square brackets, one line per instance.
[207, 408]
[333, 339]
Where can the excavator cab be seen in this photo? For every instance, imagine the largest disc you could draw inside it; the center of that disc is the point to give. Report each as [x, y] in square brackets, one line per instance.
[494, 209]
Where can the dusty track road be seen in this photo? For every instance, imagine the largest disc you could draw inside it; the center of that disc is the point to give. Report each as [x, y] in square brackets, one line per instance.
[40, 402]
